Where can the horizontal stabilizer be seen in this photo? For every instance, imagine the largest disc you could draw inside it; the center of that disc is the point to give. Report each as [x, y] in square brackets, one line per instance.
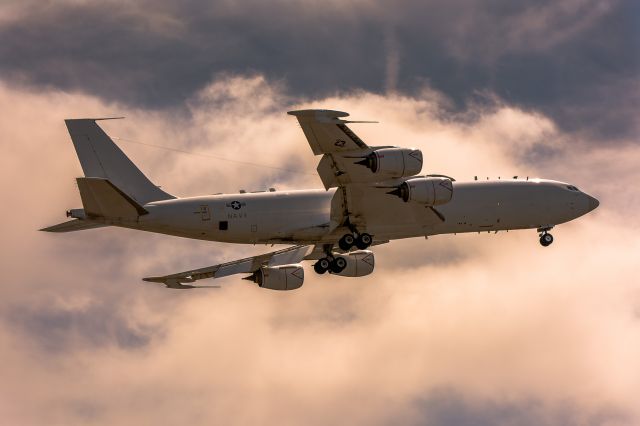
[73, 225]
[101, 198]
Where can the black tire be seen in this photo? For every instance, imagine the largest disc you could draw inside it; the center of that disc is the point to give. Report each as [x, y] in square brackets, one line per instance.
[346, 242]
[318, 267]
[364, 241]
[338, 265]
[546, 239]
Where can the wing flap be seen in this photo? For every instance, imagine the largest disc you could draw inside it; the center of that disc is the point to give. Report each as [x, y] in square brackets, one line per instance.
[328, 172]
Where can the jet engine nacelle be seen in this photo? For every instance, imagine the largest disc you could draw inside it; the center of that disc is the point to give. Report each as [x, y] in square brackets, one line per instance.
[283, 277]
[430, 191]
[389, 163]
[359, 264]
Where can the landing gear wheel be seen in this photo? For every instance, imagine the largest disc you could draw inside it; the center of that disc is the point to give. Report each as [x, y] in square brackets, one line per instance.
[346, 242]
[322, 265]
[546, 239]
[363, 241]
[338, 265]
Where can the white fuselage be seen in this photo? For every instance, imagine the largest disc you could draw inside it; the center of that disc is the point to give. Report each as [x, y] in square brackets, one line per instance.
[305, 215]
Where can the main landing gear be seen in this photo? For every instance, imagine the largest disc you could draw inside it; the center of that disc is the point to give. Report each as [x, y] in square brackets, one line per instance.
[335, 264]
[545, 237]
[361, 241]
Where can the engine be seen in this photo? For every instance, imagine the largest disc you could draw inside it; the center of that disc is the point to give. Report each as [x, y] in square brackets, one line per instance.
[359, 264]
[389, 163]
[284, 277]
[431, 191]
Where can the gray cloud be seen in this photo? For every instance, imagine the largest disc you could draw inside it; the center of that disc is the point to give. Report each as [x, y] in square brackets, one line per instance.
[60, 330]
[575, 60]
[444, 407]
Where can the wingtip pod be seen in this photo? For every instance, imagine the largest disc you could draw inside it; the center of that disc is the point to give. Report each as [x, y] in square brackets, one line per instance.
[175, 283]
[328, 113]
[94, 119]
[325, 116]
[168, 280]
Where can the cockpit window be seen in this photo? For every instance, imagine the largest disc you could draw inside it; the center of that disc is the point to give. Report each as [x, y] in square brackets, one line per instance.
[572, 188]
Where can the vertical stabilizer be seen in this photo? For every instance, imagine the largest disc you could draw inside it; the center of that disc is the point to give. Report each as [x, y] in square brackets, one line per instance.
[100, 157]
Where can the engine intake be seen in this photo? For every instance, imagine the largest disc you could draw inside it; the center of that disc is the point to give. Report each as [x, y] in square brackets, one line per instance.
[284, 277]
[393, 162]
[430, 191]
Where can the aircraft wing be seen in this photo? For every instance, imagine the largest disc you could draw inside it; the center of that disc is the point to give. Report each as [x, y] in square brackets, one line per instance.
[326, 132]
[329, 136]
[343, 165]
[249, 265]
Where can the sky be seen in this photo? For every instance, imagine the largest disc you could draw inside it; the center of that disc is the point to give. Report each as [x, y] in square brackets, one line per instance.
[488, 329]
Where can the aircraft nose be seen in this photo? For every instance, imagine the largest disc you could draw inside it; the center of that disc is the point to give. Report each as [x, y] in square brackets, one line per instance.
[593, 202]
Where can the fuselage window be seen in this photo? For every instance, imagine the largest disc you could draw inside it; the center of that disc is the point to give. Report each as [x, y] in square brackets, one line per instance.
[223, 225]
[572, 188]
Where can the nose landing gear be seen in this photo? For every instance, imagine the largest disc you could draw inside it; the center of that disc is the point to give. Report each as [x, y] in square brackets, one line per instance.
[546, 239]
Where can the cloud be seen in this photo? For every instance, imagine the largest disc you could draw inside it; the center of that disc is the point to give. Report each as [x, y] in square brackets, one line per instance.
[574, 60]
[443, 407]
[392, 61]
[62, 329]
[526, 27]
[490, 327]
